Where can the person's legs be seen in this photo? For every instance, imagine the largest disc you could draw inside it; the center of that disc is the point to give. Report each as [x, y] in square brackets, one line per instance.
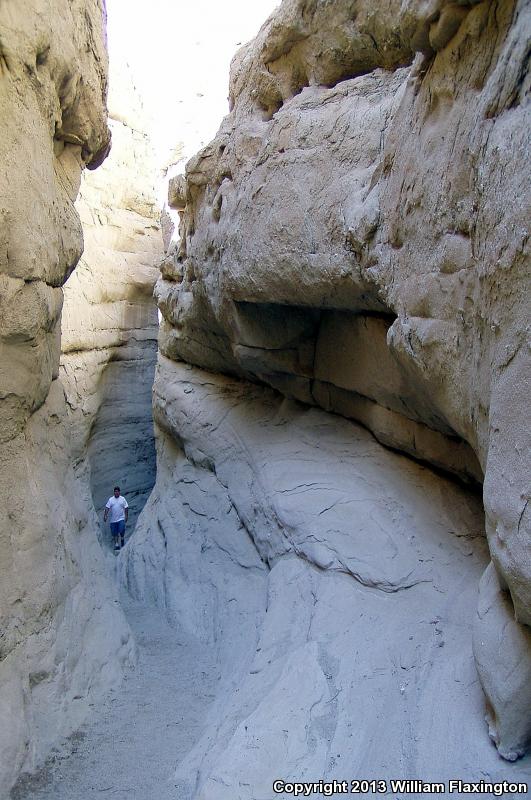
[122, 532]
[115, 530]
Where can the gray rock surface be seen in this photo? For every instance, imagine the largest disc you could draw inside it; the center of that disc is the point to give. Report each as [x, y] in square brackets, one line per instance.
[128, 745]
[334, 582]
[503, 665]
[356, 236]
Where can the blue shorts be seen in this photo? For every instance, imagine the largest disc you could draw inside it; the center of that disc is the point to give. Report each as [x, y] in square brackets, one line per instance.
[118, 527]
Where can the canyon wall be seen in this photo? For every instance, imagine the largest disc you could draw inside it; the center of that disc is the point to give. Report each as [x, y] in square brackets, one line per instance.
[356, 238]
[64, 640]
[353, 247]
[109, 323]
[334, 581]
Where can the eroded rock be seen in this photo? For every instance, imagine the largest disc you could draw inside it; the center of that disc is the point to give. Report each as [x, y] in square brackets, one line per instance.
[64, 638]
[334, 581]
[377, 202]
[109, 322]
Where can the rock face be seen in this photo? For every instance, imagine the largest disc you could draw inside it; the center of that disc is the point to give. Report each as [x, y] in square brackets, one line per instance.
[335, 580]
[110, 325]
[356, 237]
[63, 639]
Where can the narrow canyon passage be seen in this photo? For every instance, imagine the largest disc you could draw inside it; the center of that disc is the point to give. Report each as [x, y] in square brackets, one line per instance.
[109, 323]
[128, 747]
[364, 615]
[298, 345]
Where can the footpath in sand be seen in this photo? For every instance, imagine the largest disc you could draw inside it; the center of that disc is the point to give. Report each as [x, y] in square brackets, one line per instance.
[131, 746]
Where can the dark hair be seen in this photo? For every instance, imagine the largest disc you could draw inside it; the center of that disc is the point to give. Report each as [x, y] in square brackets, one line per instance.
[116, 488]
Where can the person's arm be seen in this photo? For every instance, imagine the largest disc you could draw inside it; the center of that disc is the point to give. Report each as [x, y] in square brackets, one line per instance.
[106, 513]
[126, 509]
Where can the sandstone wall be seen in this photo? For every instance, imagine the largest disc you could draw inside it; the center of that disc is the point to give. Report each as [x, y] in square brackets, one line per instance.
[109, 324]
[334, 581]
[64, 640]
[356, 237]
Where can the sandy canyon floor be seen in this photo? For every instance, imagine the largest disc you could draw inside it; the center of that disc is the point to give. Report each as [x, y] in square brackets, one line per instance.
[129, 748]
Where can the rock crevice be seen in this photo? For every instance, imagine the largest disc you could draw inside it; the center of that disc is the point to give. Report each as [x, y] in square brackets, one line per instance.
[64, 641]
[353, 249]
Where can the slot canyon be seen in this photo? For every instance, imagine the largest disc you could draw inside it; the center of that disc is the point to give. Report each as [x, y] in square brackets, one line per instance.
[307, 367]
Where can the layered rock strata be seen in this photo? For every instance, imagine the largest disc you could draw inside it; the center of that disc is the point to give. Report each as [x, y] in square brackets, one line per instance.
[64, 639]
[109, 323]
[356, 237]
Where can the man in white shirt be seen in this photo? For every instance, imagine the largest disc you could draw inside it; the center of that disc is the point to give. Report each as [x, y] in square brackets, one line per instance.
[118, 508]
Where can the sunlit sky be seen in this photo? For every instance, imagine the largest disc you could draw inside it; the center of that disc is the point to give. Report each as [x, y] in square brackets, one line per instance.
[179, 53]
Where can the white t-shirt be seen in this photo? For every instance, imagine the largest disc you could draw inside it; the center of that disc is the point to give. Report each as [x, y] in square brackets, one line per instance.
[116, 506]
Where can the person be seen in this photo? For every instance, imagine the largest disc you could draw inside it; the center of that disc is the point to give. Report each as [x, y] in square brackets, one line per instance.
[119, 510]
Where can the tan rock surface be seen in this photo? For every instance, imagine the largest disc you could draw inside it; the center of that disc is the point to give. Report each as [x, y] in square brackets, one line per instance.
[109, 322]
[64, 640]
[363, 245]
[355, 238]
[53, 82]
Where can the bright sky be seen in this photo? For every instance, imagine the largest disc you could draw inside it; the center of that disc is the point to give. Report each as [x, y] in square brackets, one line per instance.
[179, 52]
